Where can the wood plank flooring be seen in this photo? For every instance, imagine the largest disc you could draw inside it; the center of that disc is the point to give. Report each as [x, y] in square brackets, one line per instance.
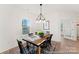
[69, 46]
[66, 46]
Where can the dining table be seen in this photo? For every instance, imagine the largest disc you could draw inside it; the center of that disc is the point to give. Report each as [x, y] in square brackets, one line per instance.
[37, 42]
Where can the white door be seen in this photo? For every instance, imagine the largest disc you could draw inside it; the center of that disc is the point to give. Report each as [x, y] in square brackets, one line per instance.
[69, 29]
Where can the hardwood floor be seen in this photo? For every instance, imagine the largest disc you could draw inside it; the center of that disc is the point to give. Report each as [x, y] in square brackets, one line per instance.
[16, 49]
[66, 46]
[69, 46]
[12, 51]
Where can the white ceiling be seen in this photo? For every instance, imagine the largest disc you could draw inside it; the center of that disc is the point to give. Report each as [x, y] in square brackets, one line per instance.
[54, 7]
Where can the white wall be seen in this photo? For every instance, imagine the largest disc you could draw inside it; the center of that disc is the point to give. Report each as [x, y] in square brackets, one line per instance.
[11, 17]
[8, 27]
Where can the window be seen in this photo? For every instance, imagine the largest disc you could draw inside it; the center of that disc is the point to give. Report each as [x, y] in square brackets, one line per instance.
[25, 26]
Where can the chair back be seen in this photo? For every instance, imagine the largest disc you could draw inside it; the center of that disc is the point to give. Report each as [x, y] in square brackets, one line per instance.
[49, 38]
[20, 46]
[29, 49]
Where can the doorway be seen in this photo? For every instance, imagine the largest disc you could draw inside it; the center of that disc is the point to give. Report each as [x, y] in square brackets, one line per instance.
[68, 29]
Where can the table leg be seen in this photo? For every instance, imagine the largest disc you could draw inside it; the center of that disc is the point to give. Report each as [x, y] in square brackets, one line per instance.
[39, 50]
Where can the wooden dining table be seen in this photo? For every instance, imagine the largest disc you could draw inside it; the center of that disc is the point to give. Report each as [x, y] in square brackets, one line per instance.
[38, 42]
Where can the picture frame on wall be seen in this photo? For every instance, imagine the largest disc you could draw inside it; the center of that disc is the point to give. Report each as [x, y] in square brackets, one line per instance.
[46, 25]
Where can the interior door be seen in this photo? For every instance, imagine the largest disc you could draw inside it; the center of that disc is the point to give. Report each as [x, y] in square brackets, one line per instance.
[69, 29]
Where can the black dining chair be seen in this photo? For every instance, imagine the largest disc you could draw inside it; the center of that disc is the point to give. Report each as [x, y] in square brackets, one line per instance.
[31, 48]
[46, 46]
[23, 50]
[49, 39]
[27, 49]
[47, 42]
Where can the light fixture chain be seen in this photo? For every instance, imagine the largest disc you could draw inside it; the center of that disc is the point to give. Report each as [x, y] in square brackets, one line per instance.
[40, 8]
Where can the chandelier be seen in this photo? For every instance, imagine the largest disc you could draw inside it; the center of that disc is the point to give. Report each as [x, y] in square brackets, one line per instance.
[40, 16]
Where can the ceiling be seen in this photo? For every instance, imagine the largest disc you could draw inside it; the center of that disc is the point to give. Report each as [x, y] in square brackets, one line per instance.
[53, 7]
